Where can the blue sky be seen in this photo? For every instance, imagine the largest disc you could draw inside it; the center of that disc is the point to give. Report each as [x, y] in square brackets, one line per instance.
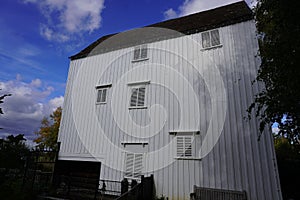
[38, 36]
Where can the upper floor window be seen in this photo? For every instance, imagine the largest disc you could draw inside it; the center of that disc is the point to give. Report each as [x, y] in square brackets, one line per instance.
[102, 91]
[138, 94]
[140, 52]
[137, 98]
[210, 39]
[101, 95]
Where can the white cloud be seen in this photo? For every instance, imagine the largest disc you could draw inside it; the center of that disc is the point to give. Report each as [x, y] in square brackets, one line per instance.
[170, 13]
[56, 102]
[29, 103]
[36, 82]
[28, 50]
[275, 130]
[18, 77]
[52, 35]
[46, 32]
[193, 6]
[68, 17]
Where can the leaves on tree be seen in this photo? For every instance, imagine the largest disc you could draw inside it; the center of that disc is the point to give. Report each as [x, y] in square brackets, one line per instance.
[278, 31]
[47, 135]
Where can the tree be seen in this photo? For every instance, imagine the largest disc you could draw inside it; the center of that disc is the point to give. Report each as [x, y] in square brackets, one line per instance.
[13, 156]
[1, 101]
[13, 151]
[288, 160]
[47, 135]
[285, 151]
[278, 29]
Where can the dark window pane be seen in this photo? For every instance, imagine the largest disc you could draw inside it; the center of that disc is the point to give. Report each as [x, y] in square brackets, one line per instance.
[136, 53]
[205, 40]
[99, 96]
[133, 99]
[144, 51]
[215, 38]
[103, 98]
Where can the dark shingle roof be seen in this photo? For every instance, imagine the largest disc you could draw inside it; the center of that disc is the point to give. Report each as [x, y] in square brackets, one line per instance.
[210, 19]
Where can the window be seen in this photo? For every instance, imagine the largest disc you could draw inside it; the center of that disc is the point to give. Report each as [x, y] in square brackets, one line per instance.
[140, 52]
[137, 98]
[102, 91]
[184, 146]
[101, 95]
[210, 39]
[133, 165]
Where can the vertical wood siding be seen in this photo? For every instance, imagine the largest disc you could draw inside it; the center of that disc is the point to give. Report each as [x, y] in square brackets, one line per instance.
[238, 161]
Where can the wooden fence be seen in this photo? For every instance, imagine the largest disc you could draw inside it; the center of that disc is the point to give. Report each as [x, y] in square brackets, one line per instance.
[201, 193]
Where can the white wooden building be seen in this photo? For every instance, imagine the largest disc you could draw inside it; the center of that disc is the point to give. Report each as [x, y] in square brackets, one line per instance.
[170, 99]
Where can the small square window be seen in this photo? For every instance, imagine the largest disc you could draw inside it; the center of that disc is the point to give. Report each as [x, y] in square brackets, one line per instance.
[184, 146]
[140, 52]
[137, 98]
[210, 39]
[101, 95]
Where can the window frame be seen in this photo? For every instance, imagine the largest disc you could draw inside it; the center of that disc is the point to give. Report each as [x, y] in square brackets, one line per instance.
[102, 88]
[141, 49]
[186, 147]
[209, 32]
[138, 85]
[194, 134]
[133, 174]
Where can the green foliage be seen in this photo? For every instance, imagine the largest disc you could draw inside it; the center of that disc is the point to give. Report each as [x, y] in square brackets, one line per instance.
[285, 150]
[288, 159]
[47, 135]
[279, 29]
[11, 189]
[13, 151]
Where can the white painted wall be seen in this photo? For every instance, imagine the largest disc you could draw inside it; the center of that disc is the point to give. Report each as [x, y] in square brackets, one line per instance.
[190, 89]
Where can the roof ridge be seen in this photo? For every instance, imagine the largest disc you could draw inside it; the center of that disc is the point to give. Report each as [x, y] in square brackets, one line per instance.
[197, 22]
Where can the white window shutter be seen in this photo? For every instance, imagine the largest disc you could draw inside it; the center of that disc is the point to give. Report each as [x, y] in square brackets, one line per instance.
[133, 98]
[141, 96]
[129, 162]
[188, 146]
[133, 165]
[184, 146]
[138, 165]
[180, 146]
[137, 98]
